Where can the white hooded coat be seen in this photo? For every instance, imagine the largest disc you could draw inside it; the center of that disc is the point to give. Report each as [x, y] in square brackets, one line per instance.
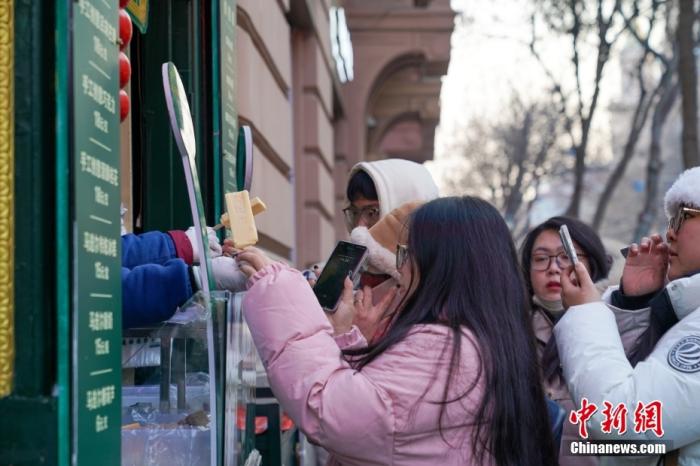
[397, 182]
[595, 367]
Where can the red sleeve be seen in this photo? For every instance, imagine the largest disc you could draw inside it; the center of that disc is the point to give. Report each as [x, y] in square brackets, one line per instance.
[183, 247]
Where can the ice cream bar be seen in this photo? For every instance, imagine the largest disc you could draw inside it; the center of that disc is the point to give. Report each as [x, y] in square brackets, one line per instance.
[256, 205]
[242, 224]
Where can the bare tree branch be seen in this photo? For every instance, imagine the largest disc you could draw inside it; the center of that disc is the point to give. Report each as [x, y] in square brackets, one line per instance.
[644, 103]
[575, 32]
[507, 158]
[556, 85]
[644, 41]
[639, 118]
[647, 215]
[687, 72]
[584, 109]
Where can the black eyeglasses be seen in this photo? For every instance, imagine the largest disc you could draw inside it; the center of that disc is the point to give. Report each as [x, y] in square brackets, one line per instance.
[683, 214]
[353, 215]
[542, 262]
[401, 255]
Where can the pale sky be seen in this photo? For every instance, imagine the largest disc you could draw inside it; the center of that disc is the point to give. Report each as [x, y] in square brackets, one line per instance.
[489, 58]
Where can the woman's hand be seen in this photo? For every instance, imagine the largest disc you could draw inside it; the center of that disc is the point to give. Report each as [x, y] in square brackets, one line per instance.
[370, 317]
[342, 318]
[577, 286]
[228, 249]
[250, 260]
[645, 267]
[357, 309]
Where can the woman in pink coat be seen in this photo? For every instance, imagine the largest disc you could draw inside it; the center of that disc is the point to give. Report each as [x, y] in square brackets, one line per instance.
[454, 379]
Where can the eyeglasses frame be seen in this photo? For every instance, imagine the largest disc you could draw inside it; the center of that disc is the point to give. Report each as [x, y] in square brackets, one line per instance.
[549, 261]
[401, 255]
[679, 218]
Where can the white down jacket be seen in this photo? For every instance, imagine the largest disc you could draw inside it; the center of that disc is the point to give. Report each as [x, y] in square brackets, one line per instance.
[596, 368]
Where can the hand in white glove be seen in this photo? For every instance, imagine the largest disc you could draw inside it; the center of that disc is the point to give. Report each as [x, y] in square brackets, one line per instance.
[214, 249]
[227, 275]
[684, 294]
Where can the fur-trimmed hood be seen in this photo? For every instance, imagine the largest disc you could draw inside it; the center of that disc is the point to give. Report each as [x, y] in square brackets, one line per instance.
[379, 259]
[381, 240]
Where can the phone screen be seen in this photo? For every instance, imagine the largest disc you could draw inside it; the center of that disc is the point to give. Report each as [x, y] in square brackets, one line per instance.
[344, 262]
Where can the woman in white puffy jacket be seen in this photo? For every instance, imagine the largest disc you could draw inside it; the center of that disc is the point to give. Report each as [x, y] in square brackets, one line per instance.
[666, 367]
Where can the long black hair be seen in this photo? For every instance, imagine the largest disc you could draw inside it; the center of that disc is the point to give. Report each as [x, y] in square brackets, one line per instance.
[598, 260]
[469, 277]
[658, 326]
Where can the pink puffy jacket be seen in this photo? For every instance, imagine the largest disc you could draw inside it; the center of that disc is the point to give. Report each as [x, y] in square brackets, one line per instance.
[386, 414]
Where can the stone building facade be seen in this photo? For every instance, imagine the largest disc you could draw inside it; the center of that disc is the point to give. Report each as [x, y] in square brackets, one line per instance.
[310, 125]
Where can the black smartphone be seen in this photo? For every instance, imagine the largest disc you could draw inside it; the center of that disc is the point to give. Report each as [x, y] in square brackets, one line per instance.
[346, 261]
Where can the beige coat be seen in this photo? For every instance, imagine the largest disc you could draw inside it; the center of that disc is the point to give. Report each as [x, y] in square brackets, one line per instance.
[630, 325]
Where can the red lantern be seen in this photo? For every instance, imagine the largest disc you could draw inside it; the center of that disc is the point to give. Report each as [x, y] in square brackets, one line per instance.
[126, 29]
[124, 104]
[124, 69]
[122, 3]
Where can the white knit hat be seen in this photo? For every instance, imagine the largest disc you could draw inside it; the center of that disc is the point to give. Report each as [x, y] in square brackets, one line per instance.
[685, 190]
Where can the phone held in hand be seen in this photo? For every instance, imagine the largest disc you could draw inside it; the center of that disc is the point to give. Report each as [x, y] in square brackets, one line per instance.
[625, 251]
[568, 244]
[346, 260]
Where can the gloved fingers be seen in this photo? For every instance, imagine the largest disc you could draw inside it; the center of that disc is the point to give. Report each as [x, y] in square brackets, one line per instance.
[215, 249]
[228, 275]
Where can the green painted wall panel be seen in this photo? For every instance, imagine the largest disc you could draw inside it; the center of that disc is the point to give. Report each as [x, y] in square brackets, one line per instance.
[33, 435]
[34, 185]
[27, 433]
[174, 34]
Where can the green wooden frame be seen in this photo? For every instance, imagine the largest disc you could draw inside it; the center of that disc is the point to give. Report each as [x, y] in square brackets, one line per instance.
[174, 34]
[31, 437]
[40, 398]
